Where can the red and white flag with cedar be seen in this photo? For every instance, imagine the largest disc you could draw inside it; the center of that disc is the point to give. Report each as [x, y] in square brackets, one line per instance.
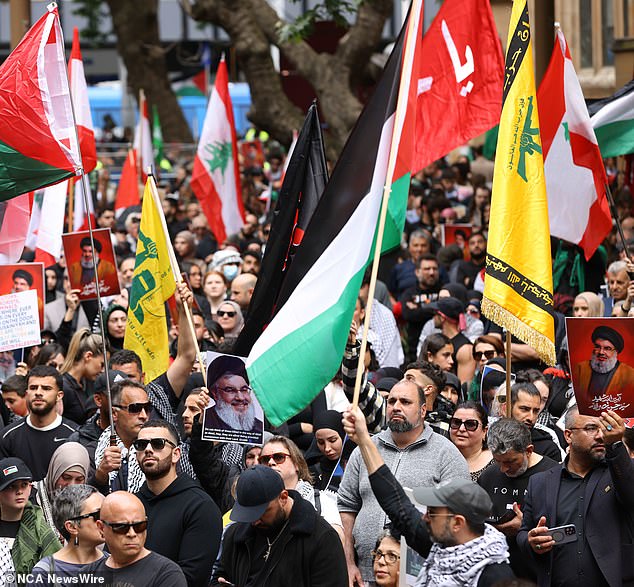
[37, 132]
[143, 139]
[459, 80]
[216, 178]
[83, 117]
[578, 210]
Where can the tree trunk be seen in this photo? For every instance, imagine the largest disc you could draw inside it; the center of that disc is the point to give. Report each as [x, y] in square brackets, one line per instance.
[136, 27]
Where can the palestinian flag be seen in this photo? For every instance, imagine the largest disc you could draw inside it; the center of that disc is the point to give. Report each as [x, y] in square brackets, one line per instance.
[301, 349]
[613, 122]
[38, 145]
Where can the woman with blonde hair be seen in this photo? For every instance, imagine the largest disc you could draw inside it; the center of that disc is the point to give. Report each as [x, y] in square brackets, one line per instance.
[588, 305]
[84, 361]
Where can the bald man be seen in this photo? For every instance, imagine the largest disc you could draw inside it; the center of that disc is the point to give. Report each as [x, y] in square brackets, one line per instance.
[124, 526]
[242, 290]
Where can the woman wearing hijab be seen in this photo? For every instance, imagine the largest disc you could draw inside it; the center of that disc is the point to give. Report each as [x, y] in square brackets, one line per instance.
[588, 305]
[69, 465]
[229, 316]
[330, 451]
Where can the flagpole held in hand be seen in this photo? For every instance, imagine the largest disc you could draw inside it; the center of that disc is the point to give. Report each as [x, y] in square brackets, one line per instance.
[177, 275]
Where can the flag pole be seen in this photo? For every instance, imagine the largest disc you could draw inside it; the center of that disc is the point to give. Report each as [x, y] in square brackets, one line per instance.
[175, 270]
[139, 162]
[401, 108]
[84, 180]
[71, 202]
[615, 216]
[508, 343]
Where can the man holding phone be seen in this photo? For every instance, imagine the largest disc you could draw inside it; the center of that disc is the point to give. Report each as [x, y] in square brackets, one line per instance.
[592, 491]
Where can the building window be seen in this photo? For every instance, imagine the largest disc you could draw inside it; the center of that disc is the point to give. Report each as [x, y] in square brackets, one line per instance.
[585, 10]
[607, 31]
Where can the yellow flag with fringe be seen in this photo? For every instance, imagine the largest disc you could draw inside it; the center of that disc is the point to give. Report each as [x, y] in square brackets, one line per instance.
[153, 284]
[518, 287]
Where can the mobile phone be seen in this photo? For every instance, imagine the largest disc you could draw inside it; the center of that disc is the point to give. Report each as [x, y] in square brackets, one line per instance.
[507, 516]
[564, 534]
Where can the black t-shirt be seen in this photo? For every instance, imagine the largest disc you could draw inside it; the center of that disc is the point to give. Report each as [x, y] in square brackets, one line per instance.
[33, 445]
[153, 570]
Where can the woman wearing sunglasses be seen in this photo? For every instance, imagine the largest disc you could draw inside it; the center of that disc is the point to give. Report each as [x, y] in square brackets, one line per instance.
[229, 316]
[387, 559]
[485, 348]
[283, 455]
[76, 510]
[468, 430]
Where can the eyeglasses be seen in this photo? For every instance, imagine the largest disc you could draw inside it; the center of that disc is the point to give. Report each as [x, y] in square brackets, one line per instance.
[124, 527]
[278, 458]
[591, 429]
[223, 313]
[606, 349]
[94, 515]
[477, 355]
[140, 444]
[135, 408]
[390, 557]
[234, 390]
[470, 425]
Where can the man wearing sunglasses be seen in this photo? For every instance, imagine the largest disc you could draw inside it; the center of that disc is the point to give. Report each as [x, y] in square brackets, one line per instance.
[184, 523]
[124, 525]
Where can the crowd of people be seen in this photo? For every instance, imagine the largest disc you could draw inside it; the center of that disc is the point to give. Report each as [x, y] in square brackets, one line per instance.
[436, 459]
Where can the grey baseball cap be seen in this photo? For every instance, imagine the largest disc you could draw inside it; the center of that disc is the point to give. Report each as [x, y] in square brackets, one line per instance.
[461, 496]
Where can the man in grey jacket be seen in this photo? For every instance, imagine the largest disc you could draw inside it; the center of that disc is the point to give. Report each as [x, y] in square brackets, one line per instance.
[417, 457]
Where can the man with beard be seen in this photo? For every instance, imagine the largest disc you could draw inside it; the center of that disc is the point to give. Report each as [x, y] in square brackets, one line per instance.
[459, 547]
[603, 379]
[278, 538]
[36, 437]
[184, 523]
[465, 272]
[516, 462]
[414, 453]
[591, 490]
[234, 409]
[82, 272]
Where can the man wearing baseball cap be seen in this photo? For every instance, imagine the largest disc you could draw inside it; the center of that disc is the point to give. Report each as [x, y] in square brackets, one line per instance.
[23, 528]
[278, 538]
[603, 374]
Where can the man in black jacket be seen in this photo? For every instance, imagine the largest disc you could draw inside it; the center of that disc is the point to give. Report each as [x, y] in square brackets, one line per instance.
[184, 523]
[278, 540]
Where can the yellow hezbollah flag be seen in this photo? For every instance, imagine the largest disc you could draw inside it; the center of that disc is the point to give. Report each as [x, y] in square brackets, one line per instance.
[152, 285]
[518, 286]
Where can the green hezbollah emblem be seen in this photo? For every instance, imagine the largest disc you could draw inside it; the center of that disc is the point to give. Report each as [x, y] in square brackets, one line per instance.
[144, 282]
[528, 146]
[220, 154]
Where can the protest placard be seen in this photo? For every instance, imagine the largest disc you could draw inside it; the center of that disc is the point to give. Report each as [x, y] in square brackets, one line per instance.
[601, 364]
[79, 260]
[234, 415]
[19, 320]
[22, 277]
[457, 234]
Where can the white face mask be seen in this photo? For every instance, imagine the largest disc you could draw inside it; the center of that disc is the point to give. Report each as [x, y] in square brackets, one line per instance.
[230, 271]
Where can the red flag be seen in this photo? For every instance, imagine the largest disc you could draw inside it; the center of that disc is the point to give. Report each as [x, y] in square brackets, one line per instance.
[575, 176]
[37, 132]
[459, 81]
[83, 117]
[128, 190]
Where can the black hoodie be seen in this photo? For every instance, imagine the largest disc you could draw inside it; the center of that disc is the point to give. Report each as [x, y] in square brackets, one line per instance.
[184, 525]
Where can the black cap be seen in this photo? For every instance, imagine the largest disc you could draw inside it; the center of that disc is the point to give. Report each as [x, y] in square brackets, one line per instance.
[607, 333]
[13, 469]
[450, 307]
[386, 383]
[226, 364]
[113, 374]
[256, 488]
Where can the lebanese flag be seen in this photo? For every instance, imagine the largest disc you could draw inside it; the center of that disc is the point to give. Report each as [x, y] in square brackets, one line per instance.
[83, 117]
[48, 243]
[37, 133]
[460, 80]
[143, 138]
[15, 217]
[216, 178]
[128, 190]
[578, 210]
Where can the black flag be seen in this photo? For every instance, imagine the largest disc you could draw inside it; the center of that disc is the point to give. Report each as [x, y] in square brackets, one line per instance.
[304, 182]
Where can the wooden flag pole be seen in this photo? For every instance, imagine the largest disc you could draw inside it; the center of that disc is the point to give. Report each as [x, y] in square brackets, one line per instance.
[177, 275]
[509, 407]
[71, 202]
[399, 117]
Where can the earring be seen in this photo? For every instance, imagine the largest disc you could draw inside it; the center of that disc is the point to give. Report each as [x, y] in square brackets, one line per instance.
[76, 540]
